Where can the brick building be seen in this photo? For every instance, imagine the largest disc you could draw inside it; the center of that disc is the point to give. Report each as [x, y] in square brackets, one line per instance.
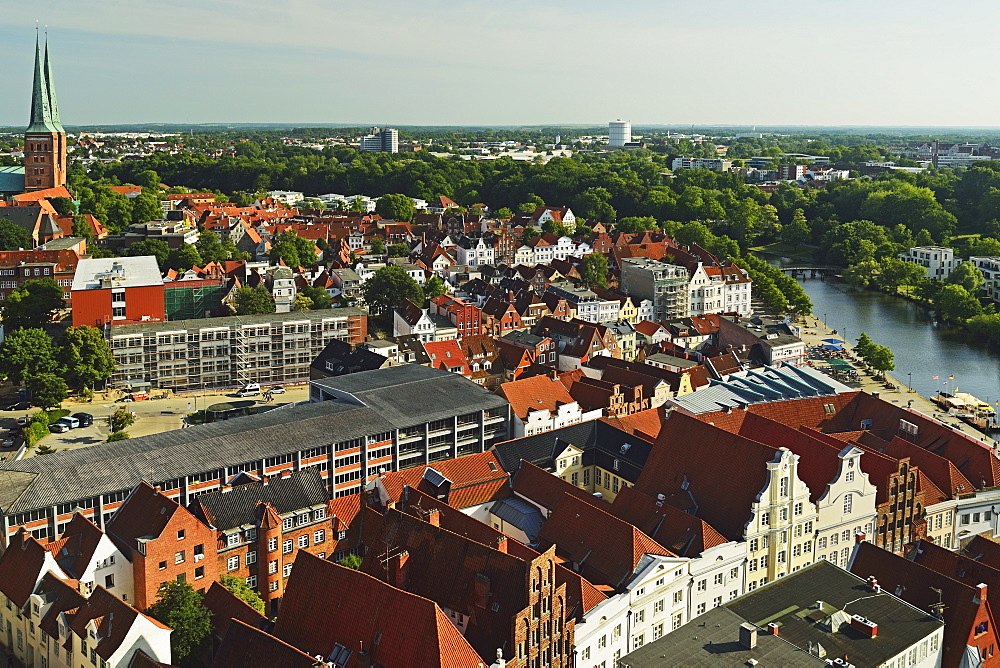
[164, 542]
[19, 266]
[117, 291]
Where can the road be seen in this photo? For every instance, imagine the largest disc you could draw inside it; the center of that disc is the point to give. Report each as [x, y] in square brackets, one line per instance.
[152, 416]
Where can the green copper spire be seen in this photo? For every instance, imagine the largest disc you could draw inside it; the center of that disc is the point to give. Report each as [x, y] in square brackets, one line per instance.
[51, 88]
[41, 110]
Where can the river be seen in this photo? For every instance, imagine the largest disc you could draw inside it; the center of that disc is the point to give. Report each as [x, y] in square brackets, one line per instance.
[922, 347]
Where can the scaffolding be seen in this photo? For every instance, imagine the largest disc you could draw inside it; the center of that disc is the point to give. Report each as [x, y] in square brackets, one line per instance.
[187, 300]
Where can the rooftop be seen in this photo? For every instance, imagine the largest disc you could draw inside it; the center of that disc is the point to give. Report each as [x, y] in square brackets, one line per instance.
[117, 272]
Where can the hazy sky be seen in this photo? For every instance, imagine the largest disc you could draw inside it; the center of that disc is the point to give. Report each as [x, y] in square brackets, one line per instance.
[507, 62]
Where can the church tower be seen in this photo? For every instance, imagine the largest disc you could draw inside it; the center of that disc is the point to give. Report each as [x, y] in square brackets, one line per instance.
[45, 139]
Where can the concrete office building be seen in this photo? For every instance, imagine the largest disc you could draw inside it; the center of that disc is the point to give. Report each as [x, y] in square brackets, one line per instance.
[385, 140]
[666, 285]
[356, 427]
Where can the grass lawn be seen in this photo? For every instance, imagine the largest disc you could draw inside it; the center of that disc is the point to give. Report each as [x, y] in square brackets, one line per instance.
[801, 252]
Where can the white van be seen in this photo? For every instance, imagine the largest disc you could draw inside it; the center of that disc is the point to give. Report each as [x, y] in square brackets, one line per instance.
[250, 390]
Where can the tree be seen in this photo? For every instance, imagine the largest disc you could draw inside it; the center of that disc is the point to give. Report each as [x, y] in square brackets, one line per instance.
[796, 231]
[378, 246]
[13, 236]
[862, 274]
[954, 302]
[320, 297]
[120, 419]
[302, 303]
[293, 250]
[399, 250]
[155, 247]
[181, 608]
[250, 300]
[32, 304]
[118, 436]
[395, 207]
[184, 258]
[47, 389]
[864, 346]
[27, 352]
[62, 205]
[210, 247]
[435, 286]
[594, 271]
[695, 232]
[351, 561]
[968, 276]
[881, 358]
[242, 590]
[85, 356]
[146, 207]
[388, 287]
[503, 213]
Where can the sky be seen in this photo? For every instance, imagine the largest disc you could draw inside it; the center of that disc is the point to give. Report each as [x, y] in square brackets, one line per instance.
[508, 62]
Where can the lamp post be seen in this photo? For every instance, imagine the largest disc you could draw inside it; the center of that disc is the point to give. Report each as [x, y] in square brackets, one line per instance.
[909, 380]
[824, 319]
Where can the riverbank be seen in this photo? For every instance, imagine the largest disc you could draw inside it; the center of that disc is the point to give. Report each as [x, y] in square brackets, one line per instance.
[813, 333]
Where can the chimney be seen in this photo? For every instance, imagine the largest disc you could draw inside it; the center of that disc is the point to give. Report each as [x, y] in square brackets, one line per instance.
[866, 626]
[860, 538]
[873, 583]
[772, 629]
[285, 473]
[981, 594]
[875, 394]
[481, 590]
[398, 570]
[434, 517]
[748, 635]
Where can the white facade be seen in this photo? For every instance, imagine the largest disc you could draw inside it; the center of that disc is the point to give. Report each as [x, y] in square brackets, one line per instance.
[619, 132]
[710, 292]
[715, 164]
[423, 329]
[937, 261]
[289, 197]
[845, 509]
[478, 253]
[543, 419]
[990, 266]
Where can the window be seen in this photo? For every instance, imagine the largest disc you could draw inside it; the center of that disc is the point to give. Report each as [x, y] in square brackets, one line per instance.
[849, 477]
[288, 524]
[964, 519]
[765, 519]
[179, 557]
[304, 540]
[287, 546]
[754, 544]
[821, 543]
[251, 534]
[752, 565]
[717, 601]
[162, 565]
[251, 558]
[180, 535]
[233, 540]
[319, 536]
[640, 616]
[702, 584]
[658, 630]
[252, 581]
[273, 586]
[848, 503]
[783, 487]
[319, 514]
[233, 563]
[272, 544]
[717, 579]
[199, 572]
[272, 567]
[798, 508]
[109, 582]
[286, 570]
[783, 514]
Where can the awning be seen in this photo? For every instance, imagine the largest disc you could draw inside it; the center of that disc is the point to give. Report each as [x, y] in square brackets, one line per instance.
[841, 365]
[828, 346]
[833, 341]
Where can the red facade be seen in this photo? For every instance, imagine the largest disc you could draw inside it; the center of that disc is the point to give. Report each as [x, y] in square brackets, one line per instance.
[142, 304]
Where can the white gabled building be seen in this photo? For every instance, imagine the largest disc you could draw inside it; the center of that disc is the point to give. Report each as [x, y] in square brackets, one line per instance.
[937, 261]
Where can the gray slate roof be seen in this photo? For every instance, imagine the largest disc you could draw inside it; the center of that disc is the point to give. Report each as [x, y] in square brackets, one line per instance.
[72, 475]
[238, 506]
[410, 394]
[520, 513]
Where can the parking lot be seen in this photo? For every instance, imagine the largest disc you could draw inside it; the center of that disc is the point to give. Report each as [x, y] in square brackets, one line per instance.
[152, 415]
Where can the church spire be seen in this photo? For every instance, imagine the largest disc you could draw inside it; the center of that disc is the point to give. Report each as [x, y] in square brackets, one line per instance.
[41, 97]
[51, 89]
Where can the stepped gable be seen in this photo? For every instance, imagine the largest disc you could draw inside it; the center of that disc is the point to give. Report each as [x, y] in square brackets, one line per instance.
[603, 548]
[944, 474]
[680, 532]
[707, 470]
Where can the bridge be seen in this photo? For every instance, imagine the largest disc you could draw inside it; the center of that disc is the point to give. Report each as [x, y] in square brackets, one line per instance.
[814, 270]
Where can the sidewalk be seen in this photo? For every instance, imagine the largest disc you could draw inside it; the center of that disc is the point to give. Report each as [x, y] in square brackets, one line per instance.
[813, 333]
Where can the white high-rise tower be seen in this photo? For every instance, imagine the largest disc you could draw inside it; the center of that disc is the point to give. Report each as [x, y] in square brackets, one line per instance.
[619, 132]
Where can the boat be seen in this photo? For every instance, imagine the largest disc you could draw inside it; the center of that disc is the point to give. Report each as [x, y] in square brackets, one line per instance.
[971, 410]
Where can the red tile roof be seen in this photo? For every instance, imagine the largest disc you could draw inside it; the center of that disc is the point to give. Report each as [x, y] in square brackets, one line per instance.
[680, 532]
[475, 479]
[243, 645]
[547, 489]
[114, 618]
[644, 424]
[21, 567]
[326, 604]
[535, 393]
[602, 547]
[226, 606]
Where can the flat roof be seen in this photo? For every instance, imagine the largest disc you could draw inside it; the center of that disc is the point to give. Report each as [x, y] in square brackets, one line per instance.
[125, 272]
[236, 320]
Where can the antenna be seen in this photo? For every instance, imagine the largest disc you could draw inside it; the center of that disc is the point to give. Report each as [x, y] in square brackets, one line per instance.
[939, 607]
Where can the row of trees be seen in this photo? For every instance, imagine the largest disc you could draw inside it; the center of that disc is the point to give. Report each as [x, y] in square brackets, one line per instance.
[877, 356]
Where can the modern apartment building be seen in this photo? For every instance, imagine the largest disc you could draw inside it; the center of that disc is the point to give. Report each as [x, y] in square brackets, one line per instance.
[385, 140]
[225, 352]
[990, 266]
[937, 261]
[357, 427]
[666, 285]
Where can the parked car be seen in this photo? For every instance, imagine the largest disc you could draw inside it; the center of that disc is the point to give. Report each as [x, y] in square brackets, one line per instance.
[59, 427]
[86, 419]
[250, 390]
[8, 443]
[23, 421]
[20, 406]
[277, 389]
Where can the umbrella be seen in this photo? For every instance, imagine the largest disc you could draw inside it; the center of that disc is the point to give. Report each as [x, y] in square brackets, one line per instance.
[832, 347]
[833, 341]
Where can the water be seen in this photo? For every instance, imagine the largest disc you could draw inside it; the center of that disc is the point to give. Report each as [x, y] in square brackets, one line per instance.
[922, 347]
